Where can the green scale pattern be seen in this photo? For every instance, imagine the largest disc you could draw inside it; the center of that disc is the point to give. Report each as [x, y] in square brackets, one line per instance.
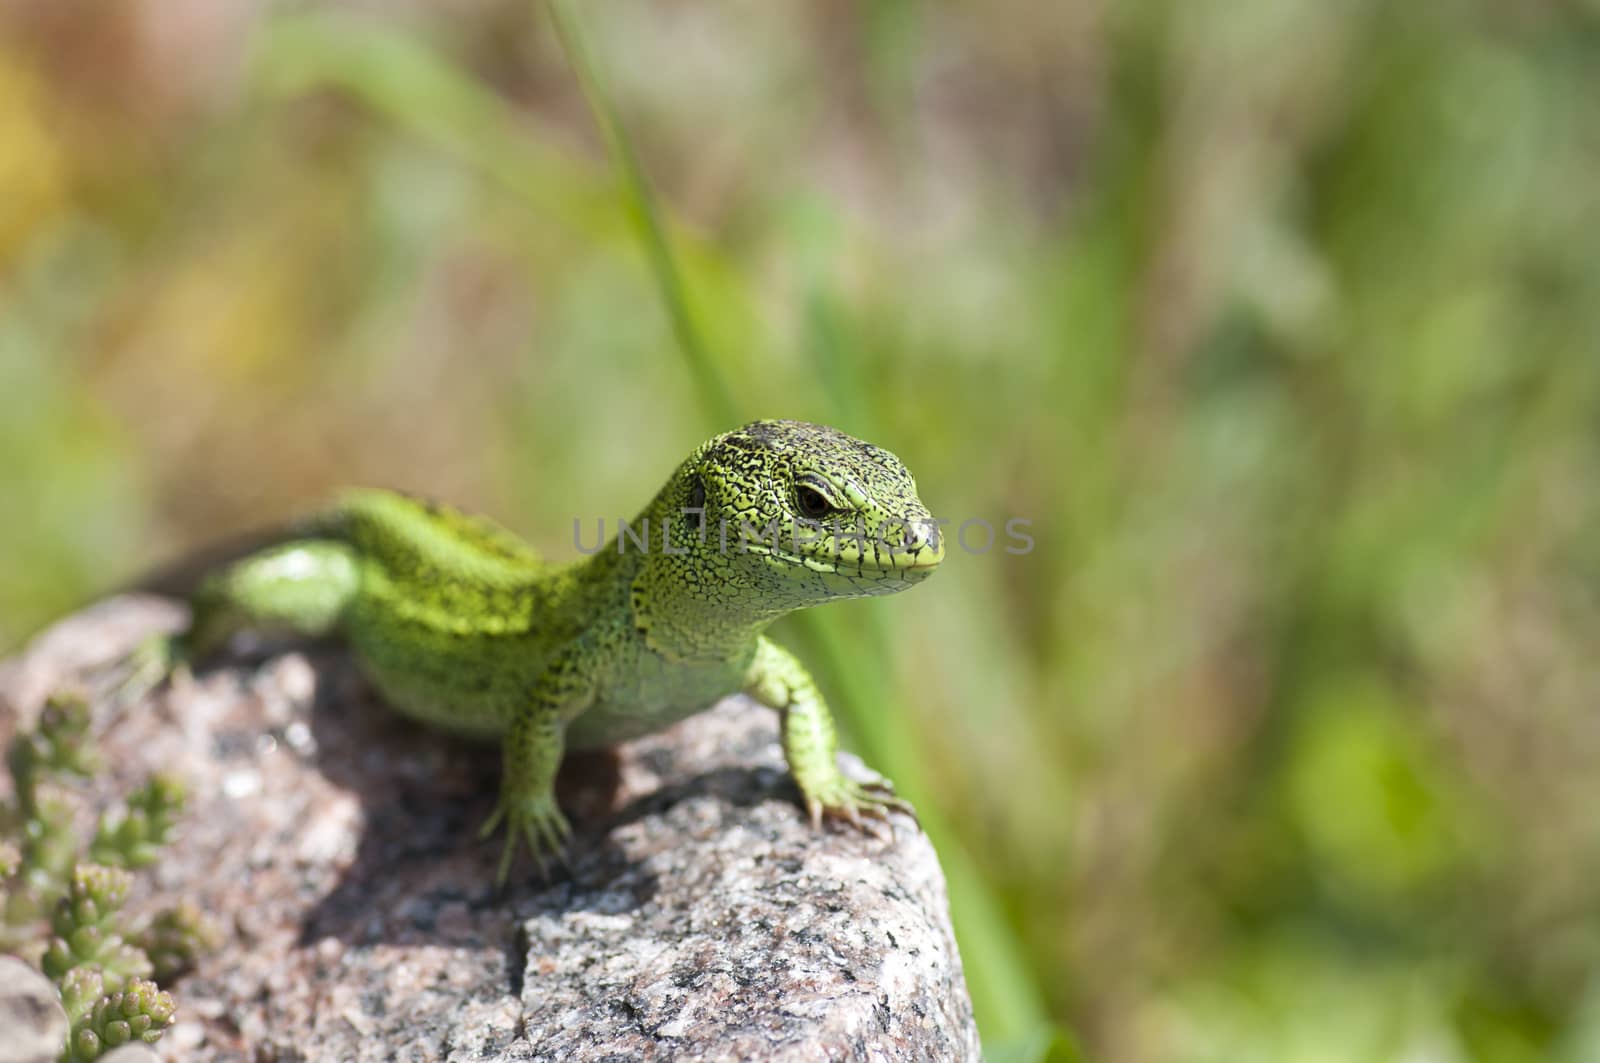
[461, 625]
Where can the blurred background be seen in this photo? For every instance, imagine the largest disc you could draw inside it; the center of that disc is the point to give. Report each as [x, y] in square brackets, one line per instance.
[1280, 321]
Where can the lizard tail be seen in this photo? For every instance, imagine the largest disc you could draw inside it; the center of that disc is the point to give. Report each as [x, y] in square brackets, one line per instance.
[181, 578]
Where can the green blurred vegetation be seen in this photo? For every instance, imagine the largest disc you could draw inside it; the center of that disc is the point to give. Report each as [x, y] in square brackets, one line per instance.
[1280, 321]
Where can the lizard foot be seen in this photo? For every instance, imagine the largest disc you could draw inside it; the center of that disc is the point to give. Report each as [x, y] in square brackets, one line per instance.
[150, 664]
[857, 803]
[536, 819]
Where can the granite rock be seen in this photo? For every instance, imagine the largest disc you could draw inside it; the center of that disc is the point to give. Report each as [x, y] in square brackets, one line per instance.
[335, 845]
[32, 1023]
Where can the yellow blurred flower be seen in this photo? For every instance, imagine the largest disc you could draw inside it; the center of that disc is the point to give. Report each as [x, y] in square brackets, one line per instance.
[32, 174]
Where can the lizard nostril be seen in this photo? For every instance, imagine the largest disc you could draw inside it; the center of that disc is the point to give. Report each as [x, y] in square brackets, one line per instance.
[919, 535]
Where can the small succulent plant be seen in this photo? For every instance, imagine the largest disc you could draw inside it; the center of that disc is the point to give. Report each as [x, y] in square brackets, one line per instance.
[61, 897]
[102, 1020]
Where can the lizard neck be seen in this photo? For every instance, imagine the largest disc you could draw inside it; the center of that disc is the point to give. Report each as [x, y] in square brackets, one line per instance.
[691, 598]
[680, 626]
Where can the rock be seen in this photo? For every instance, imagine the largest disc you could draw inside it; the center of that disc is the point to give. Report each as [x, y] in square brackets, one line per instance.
[132, 1053]
[336, 845]
[33, 1027]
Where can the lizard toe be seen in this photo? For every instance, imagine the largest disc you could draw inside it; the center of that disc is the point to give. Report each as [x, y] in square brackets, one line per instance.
[866, 806]
[146, 668]
[536, 821]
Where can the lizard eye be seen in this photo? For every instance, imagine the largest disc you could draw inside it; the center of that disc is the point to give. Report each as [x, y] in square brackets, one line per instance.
[814, 505]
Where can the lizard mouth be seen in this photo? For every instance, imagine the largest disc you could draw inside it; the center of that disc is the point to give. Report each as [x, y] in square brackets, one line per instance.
[862, 569]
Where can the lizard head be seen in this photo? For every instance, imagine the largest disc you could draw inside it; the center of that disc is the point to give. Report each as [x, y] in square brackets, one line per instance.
[810, 513]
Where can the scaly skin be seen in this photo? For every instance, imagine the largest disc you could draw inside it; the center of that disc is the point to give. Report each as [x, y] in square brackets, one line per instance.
[459, 624]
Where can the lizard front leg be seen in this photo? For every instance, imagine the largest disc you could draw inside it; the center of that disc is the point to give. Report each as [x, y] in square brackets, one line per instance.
[533, 746]
[777, 679]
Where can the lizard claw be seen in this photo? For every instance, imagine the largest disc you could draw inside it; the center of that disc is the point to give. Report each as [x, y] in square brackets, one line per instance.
[861, 804]
[882, 799]
[536, 820]
[149, 665]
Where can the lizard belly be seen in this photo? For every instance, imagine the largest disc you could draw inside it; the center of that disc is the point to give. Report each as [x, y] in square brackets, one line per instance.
[653, 696]
[464, 684]
[445, 709]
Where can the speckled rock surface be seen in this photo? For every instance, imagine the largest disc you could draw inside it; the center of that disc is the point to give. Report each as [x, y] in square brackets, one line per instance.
[334, 843]
[134, 1053]
[32, 1022]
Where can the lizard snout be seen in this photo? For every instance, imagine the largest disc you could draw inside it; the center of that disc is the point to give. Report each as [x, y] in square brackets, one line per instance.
[921, 546]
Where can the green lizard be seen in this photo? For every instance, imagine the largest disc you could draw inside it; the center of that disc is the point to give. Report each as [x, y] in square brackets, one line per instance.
[461, 625]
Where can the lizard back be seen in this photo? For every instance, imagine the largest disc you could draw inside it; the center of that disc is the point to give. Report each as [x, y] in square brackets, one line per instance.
[454, 617]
